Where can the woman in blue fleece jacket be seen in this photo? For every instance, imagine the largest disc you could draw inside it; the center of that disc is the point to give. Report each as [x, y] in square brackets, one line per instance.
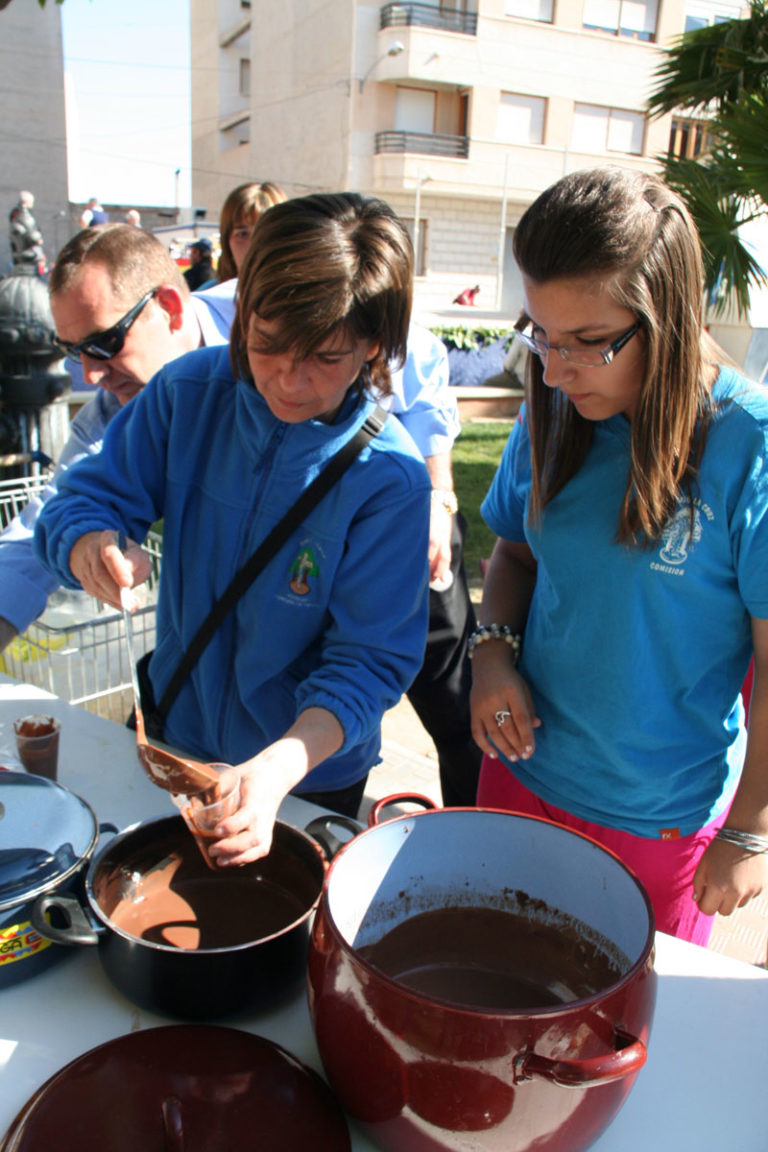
[293, 685]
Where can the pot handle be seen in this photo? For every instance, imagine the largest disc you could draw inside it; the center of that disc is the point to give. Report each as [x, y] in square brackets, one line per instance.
[626, 1060]
[321, 830]
[78, 928]
[374, 815]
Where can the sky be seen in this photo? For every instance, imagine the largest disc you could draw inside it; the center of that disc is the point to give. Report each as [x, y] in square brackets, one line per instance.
[127, 80]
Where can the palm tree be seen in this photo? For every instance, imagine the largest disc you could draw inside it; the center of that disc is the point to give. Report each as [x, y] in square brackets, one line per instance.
[722, 70]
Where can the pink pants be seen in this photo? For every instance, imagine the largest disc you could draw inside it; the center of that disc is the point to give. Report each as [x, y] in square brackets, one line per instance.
[664, 867]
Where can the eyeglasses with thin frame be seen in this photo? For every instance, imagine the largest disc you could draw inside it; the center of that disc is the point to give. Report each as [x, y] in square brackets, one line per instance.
[582, 357]
[109, 343]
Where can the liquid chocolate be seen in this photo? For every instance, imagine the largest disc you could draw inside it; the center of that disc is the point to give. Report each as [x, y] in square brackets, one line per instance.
[493, 959]
[194, 909]
[37, 742]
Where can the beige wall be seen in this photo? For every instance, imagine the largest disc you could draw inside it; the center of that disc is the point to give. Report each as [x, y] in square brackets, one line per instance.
[34, 134]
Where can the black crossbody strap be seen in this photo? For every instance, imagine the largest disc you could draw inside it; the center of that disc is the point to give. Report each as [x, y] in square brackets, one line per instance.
[242, 580]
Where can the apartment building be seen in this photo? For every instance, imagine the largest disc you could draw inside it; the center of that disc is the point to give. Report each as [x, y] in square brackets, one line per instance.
[457, 113]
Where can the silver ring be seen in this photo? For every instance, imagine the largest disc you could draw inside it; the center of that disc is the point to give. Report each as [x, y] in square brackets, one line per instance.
[501, 716]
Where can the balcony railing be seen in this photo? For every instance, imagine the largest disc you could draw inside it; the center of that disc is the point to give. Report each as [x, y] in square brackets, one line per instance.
[428, 16]
[423, 143]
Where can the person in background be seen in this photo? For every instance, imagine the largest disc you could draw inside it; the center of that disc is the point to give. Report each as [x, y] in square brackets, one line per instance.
[292, 687]
[631, 508]
[468, 296]
[200, 273]
[25, 236]
[133, 218]
[422, 401]
[122, 311]
[239, 214]
[93, 215]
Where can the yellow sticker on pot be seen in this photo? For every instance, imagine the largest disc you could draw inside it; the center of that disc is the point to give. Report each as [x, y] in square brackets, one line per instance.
[19, 942]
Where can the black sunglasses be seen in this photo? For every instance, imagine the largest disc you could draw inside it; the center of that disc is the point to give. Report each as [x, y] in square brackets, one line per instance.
[104, 345]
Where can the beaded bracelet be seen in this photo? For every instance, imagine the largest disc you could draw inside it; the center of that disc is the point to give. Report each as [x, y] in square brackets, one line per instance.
[746, 840]
[495, 632]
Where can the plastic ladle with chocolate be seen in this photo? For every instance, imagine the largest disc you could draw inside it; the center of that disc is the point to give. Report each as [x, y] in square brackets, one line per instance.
[174, 773]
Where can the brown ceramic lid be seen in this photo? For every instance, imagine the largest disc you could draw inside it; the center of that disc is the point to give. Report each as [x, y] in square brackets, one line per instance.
[182, 1088]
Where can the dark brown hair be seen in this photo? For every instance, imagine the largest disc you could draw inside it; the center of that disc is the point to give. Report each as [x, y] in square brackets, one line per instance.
[633, 233]
[324, 263]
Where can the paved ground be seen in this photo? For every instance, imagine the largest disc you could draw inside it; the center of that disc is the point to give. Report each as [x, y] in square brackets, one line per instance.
[410, 764]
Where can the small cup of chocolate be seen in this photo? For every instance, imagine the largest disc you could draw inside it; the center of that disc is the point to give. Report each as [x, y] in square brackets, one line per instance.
[204, 811]
[37, 743]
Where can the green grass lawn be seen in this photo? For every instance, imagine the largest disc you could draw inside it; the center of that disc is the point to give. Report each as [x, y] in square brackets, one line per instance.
[476, 455]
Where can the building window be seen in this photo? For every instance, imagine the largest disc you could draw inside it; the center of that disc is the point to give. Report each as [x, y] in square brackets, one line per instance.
[520, 119]
[244, 85]
[702, 13]
[529, 9]
[689, 139]
[600, 130]
[414, 110]
[636, 18]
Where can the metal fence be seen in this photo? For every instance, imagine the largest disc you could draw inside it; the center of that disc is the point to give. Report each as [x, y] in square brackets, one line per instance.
[428, 16]
[422, 143]
[77, 648]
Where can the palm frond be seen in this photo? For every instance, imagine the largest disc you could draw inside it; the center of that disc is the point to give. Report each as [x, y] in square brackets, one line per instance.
[741, 148]
[718, 209]
[716, 64]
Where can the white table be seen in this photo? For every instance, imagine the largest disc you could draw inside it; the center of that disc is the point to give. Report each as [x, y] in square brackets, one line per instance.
[703, 1087]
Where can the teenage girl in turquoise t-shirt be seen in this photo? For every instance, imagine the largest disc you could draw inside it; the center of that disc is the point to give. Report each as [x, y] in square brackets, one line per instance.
[631, 507]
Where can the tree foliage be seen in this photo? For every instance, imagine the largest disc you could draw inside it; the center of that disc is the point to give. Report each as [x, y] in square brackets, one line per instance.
[721, 73]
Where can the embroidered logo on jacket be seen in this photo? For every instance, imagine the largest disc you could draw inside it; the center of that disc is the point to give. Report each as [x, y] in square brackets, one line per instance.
[679, 537]
[302, 568]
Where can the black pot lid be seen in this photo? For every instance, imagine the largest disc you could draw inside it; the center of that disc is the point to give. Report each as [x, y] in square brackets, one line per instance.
[45, 833]
[200, 1088]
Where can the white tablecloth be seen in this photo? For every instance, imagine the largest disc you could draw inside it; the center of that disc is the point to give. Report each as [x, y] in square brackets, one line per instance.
[703, 1087]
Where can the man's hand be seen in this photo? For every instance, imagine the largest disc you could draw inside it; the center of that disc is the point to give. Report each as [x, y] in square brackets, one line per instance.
[97, 561]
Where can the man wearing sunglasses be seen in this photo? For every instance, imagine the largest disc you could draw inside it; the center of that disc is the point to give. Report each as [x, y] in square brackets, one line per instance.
[121, 307]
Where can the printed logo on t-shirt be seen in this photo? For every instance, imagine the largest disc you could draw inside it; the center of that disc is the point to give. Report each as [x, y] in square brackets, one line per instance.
[302, 568]
[680, 536]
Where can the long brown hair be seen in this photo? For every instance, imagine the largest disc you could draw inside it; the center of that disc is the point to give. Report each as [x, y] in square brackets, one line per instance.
[324, 263]
[632, 231]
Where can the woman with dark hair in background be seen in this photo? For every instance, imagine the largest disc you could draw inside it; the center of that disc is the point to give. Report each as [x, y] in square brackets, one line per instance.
[239, 214]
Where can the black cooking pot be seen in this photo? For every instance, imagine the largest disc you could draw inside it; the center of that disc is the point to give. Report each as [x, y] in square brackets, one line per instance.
[186, 941]
[48, 836]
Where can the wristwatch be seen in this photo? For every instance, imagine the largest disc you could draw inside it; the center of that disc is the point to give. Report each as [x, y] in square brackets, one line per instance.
[446, 497]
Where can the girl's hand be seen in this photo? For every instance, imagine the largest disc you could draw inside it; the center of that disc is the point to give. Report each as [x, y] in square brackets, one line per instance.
[503, 714]
[247, 835]
[727, 878]
[266, 779]
[102, 569]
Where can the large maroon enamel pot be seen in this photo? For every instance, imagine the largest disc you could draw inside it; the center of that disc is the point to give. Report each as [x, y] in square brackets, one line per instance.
[427, 1073]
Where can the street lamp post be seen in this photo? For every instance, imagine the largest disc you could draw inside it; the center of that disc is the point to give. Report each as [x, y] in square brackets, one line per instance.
[395, 48]
[416, 217]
